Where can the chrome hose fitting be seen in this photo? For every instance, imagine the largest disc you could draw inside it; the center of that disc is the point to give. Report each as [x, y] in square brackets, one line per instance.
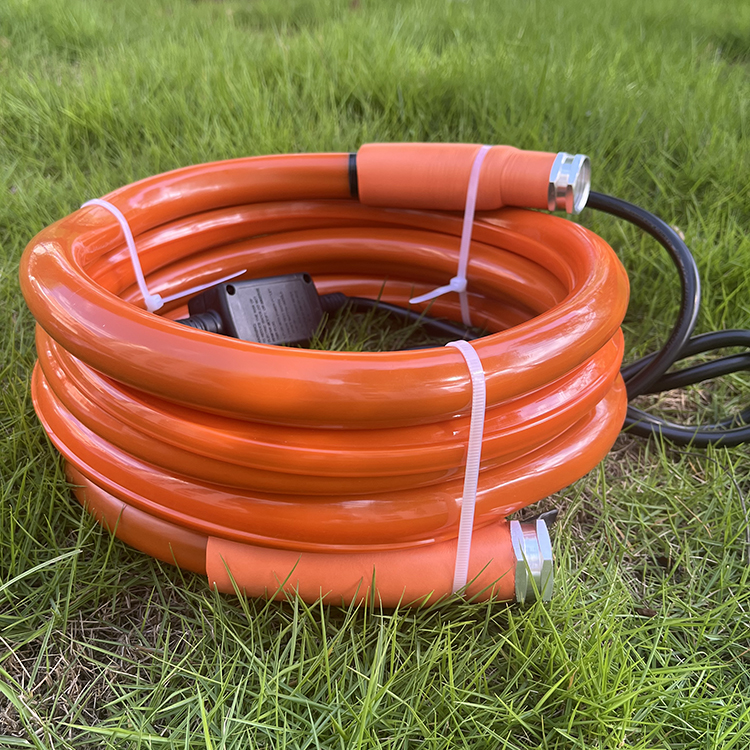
[534, 568]
[569, 183]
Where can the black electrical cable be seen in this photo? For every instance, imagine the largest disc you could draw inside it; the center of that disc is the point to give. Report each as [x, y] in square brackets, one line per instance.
[643, 374]
[433, 326]
[649, 375]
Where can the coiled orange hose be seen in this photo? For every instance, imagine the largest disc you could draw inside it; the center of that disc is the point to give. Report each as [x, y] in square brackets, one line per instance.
[195, 447]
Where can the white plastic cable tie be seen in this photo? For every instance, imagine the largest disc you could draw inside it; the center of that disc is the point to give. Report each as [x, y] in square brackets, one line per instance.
[458, 282]
[153, 301]
[201, 287]
[473, 458]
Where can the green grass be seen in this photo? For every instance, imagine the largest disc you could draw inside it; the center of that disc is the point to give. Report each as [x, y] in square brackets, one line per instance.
[647, 642]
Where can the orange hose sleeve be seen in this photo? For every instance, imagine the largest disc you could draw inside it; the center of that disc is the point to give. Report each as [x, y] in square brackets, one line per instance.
[185, 436]
[360, 577]
[263, 572]
[436, 175]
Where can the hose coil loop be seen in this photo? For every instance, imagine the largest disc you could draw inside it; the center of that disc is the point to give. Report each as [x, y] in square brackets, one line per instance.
[200, 436]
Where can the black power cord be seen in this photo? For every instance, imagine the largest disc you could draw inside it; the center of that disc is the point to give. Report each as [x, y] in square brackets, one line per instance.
[438, 327]
[648, 375]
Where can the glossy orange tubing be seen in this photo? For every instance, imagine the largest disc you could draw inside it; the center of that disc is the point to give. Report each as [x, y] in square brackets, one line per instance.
[186, 443]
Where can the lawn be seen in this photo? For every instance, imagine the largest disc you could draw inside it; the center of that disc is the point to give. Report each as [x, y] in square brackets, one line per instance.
[646, 643]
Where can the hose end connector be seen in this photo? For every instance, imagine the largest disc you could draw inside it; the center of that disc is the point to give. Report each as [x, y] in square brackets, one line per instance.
[569, 183]
[534, 565]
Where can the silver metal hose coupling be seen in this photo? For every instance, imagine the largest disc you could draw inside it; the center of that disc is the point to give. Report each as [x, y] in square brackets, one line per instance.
[569, 183]
[534, 566]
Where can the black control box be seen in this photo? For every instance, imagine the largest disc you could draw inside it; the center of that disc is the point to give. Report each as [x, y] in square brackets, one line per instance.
[276, 310]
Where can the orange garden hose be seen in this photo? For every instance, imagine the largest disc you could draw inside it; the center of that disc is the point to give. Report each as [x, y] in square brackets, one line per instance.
[281, 469]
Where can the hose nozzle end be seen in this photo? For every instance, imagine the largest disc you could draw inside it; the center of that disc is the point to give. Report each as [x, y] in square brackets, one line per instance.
[532, 549]
[569, 183]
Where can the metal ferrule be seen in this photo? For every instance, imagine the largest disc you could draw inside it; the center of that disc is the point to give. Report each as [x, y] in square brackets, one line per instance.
[534, 568]
[569, 183]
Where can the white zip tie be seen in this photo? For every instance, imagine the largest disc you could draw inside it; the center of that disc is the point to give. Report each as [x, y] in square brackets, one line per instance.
[473, 458]
[153, 301]
[458, 282]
